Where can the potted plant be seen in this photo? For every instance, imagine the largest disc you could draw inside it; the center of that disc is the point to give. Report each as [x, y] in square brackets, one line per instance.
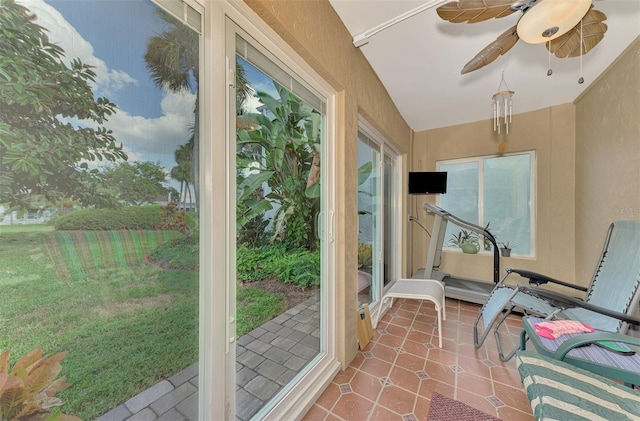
[467, 242]
[485, 241]
[505, 249]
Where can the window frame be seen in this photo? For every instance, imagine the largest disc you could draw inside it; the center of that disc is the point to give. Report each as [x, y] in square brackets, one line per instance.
[533, 172]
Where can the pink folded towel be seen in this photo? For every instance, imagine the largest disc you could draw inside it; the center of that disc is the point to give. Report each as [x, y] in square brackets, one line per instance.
[553, 330]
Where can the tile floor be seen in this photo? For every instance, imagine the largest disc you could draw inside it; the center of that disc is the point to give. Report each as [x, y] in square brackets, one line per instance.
[396, 374]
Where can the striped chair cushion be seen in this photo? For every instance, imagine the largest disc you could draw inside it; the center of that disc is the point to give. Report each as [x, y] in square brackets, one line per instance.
[559, 391]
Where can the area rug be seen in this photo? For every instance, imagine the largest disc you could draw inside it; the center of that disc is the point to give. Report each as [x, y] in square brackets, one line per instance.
[447, 409]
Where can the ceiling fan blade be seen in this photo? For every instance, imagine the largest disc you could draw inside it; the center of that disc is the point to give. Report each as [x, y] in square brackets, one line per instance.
[593, 29]
[501, 45]
[472, 11]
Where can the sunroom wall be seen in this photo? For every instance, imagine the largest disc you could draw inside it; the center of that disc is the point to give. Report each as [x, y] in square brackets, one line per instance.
[316, 33]
[550, 132]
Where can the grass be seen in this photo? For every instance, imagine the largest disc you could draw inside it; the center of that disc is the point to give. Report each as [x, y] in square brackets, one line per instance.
[126, 324]
[255, 307]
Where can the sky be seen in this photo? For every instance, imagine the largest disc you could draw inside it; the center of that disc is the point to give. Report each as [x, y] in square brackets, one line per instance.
[112, 36]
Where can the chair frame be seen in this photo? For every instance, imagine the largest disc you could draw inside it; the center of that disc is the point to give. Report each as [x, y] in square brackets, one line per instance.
[529, 299]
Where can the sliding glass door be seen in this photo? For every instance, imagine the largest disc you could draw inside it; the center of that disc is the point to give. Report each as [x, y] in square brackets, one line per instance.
[279, 317]
[377, 215]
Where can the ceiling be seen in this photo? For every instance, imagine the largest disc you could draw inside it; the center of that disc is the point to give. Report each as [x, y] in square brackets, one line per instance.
[419, 60]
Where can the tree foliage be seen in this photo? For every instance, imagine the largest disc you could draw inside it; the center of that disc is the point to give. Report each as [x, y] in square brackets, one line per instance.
[172, 60]
[43, 156]
[281, 151]
[137, 183]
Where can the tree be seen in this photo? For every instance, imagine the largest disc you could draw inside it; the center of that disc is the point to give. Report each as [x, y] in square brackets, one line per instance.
[183, 172]
[283, 152]
[172, 59]
[137, 183]
[43, 157]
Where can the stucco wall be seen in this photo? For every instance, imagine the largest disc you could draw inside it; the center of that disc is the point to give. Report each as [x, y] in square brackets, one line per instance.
[607, 156]
[550, 133]
[317, 34]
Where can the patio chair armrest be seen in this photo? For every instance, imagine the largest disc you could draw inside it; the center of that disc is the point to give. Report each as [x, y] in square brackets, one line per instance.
[589, 338]
[564, 301]
[539, 279]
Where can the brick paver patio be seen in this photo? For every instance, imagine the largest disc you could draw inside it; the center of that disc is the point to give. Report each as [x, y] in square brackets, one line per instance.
[267, 358]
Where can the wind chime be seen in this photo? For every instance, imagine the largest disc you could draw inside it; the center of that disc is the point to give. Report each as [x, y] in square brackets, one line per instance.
[502, 107]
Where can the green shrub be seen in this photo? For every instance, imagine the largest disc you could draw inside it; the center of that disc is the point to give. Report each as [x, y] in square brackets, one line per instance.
[123, 218]
[299, 266]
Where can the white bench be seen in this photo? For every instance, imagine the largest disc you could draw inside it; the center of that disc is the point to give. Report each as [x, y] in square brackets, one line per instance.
[418, 289]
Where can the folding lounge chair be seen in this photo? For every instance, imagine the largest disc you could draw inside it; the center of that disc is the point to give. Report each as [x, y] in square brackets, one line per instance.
[610, 303]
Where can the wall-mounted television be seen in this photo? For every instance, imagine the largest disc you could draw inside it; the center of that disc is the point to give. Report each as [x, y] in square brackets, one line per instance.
[430, 182]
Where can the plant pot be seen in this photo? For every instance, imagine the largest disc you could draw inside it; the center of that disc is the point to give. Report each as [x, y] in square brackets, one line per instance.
[469, 248]
[505, 252]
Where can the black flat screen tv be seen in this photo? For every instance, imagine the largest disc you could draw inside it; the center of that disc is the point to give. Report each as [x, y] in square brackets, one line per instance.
[427, 182]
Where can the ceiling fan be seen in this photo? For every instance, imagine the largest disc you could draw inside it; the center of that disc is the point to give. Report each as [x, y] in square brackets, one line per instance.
[569, 28]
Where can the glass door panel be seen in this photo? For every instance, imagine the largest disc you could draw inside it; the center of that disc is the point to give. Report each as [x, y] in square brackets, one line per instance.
[368, 220]
[279, 243]
[99, 223]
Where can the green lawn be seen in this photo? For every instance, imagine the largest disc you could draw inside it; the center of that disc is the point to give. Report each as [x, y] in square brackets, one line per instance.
[126, 324]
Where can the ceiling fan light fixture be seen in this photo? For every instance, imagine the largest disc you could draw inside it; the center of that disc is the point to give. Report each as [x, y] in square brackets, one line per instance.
[550, 19]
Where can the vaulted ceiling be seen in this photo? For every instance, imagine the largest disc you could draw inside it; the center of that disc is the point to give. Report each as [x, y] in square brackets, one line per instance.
[419, 59]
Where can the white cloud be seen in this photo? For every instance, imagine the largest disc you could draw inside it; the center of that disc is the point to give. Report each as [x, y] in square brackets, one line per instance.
[144, 138]
[74, 45]
[156, 135]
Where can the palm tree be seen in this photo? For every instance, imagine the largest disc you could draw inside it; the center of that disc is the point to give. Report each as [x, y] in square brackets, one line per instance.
[172, 59]
[183, 172]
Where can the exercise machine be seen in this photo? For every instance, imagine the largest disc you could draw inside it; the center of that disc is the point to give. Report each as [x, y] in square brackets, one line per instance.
[475, 291]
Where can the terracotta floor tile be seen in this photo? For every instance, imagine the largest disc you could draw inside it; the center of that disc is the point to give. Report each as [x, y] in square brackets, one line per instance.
[421, 408]
[345, 375]
[442, 356]
[410, 362]
[404, 354]
[427, 387]
[376, 367]
[329, 397]
[476, 401]
[315, 413]
[353, 407]
[505, 375]
[391, 340]
[395, 330]
[416, 348]
[380, 413]
[428, 328]
[475, 367]
[384, 352]
[512, 414]
[513, 396]
[475, 384]
[405, 379]
[366, 385]
[397, 400]
[440, 372]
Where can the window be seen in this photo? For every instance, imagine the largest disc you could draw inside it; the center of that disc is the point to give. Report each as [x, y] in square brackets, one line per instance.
[377, 207]
[494, 191]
